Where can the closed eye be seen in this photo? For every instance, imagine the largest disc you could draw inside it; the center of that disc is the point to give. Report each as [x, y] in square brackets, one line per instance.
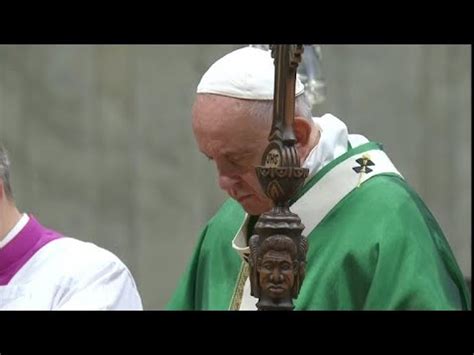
[242, 159]
[207, 156]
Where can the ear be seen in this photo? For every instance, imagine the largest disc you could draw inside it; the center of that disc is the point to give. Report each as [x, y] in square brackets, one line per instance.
[302, 129]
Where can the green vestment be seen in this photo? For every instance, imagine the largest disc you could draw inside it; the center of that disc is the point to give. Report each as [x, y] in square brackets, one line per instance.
[377, 248]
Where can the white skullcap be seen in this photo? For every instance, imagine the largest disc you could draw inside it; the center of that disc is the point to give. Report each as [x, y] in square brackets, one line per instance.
[246, 73]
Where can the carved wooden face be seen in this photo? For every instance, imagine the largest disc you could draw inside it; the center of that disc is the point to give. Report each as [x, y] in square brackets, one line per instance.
[277, 274]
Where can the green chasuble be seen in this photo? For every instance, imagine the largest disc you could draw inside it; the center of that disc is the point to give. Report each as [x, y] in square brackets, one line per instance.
[376, 246]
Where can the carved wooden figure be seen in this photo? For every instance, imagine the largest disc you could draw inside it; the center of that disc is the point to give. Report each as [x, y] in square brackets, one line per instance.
[277, 249]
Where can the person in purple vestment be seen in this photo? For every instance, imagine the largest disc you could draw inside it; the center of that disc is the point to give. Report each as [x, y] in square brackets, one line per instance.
[41, 269]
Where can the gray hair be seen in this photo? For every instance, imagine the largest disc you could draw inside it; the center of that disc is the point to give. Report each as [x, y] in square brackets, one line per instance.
[5, 173]
[264, 108]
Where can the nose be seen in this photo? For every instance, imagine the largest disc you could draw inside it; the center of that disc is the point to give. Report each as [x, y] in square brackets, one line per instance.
[226, 182]
[276, 277]
[228, 175]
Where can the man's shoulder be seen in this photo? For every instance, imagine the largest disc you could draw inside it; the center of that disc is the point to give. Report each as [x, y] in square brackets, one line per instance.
[383, 212]
[82, 275]
[384, 201]
[78, 257]
[387, 208]
[388, 192]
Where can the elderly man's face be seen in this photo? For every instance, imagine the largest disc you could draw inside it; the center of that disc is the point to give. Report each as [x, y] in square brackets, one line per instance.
[276, 273]
[235, 142]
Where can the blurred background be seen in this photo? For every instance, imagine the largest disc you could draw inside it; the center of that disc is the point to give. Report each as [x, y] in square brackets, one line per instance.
[102, 150]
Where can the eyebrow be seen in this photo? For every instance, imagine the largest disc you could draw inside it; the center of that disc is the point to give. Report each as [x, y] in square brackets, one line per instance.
[231, 155]
[239, 155]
